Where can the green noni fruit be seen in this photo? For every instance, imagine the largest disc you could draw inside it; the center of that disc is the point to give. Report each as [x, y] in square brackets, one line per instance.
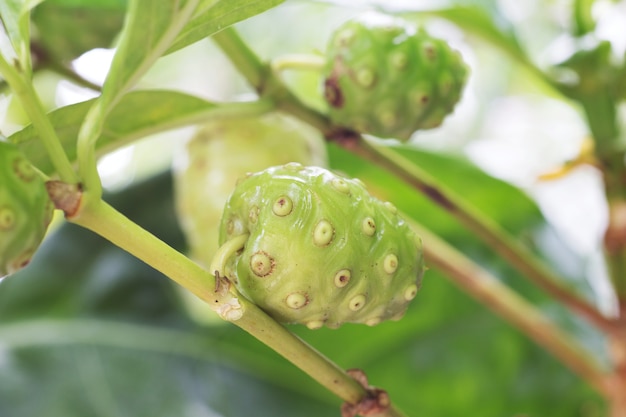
[25, 209]
[321, 250]
[389, 79]
[221, 151]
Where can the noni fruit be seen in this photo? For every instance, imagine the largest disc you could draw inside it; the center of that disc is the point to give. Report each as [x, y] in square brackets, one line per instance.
[25, 209]
[387, 78]
[208, 166]
[321, 250]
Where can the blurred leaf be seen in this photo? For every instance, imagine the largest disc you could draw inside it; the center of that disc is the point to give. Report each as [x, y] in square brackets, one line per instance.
[583, 17]
[68, 28]
[596, 87]
[138, 114]
[491, 196]
[223, 14]
[15, 16]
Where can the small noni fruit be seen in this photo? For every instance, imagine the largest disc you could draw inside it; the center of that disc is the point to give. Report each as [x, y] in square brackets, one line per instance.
[25, 209]
[221, 151]
[389, 79]
[321, 250]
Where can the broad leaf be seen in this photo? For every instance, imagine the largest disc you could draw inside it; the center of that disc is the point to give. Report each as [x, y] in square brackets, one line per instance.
[223, 14]
[66, 29]
[138, 114]
[151, 27]
[15, 16]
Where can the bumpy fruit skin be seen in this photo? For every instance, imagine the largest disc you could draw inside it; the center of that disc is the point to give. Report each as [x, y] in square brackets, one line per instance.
[25, 209]
[388, 79]
[208, 167]
[321, 250]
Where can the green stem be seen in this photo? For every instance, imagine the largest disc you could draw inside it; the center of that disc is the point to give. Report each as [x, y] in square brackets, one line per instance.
[101, 218]
[298, 62]
[264, 80]
[86, 148]
[246, 61]
[492, 293]
[25, 92]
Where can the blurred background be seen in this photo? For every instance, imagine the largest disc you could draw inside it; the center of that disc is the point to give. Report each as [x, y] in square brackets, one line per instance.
[88, 330]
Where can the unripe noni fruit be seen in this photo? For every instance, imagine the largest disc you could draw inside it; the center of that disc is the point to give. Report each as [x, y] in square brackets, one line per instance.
[25, 209]
[321, 250]
[389, 79]
[207, 168]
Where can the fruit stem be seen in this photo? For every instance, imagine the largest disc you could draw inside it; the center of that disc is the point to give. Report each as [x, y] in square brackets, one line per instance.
[226, 251]
[298, 62]
[101, 218]
[25, 92]
[244, 59]
[486, 288]
[489, 231]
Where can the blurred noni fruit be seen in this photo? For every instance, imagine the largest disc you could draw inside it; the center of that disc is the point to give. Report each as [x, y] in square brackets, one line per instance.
[207, 168]
[387, 78]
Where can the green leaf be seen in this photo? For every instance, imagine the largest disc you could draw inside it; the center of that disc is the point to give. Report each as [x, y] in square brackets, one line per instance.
[67, 29]
[223, 14]
[583, 17]
[15, 16]
[151, 27]
[138, 114]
